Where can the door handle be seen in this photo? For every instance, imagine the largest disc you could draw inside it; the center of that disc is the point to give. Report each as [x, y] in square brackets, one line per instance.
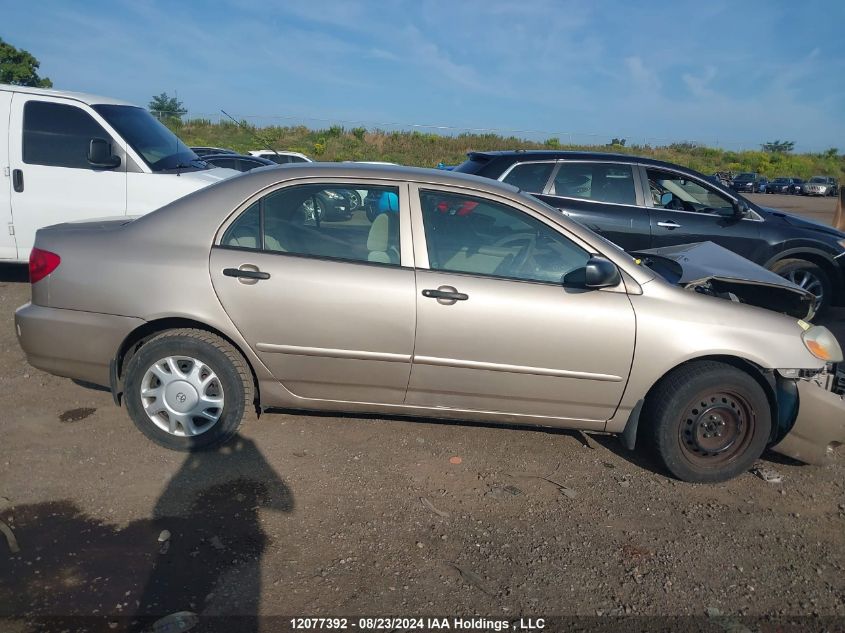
[17, 180]
[245, 274]
[669, 225]
[445, 292]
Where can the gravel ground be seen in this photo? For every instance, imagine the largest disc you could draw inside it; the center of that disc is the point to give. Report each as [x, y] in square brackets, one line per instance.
[312, 515]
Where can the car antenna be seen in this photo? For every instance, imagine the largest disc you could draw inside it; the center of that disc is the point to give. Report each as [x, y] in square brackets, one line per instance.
[251, 131]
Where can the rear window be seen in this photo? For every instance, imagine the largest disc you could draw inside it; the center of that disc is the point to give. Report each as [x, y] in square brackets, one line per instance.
[474, 165]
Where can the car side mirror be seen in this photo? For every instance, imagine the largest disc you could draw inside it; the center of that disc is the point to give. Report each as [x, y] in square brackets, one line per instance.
[600, 272]
[740, 208]
[100, 155]
[666, 198]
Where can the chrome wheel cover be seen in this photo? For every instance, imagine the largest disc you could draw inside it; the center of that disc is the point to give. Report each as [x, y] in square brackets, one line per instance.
[182, 396]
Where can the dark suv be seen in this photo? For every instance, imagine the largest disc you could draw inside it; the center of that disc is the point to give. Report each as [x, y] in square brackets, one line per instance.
[640, 203]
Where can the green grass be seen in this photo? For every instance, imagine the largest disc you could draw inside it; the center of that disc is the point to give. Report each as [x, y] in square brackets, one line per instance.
[426, 150]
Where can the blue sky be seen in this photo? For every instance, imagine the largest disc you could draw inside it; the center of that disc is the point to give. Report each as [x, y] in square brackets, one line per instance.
[734, 74]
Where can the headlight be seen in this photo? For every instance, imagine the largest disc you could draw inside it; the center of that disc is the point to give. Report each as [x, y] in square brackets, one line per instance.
[822, 344]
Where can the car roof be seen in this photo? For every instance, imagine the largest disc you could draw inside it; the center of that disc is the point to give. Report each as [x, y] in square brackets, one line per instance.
[86, 98]
[551, 154]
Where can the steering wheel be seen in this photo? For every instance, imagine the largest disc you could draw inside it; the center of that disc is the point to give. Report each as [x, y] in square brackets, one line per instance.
[523, 255]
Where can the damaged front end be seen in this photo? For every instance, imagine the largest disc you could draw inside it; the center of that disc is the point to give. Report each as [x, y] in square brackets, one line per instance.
[812, 415]
[709, 269]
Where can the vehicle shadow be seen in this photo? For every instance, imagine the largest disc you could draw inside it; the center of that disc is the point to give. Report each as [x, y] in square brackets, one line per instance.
[14, 273]
[76, 571]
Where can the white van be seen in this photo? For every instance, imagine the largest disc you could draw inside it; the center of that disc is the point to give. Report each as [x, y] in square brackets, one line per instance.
[68, 156]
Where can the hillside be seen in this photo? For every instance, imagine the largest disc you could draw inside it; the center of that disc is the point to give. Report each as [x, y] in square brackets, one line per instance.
[427, 150]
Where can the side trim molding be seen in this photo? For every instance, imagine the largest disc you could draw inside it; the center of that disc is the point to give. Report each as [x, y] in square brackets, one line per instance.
[513, 369]
[328, 352]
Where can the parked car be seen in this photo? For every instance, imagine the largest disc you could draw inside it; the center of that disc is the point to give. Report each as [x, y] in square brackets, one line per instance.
[238, 162]
[797, 184]
[71, 156]
[748, 182]
[820, 186]
[762, 184]
[281, 157]
[495, 307]
[202, 152]
[780, 185]
[622, 198]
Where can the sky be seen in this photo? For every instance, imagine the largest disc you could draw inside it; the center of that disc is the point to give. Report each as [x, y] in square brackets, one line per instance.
[729, 74]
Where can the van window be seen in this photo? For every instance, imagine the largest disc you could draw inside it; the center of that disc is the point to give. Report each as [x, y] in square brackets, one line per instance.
[58, 135]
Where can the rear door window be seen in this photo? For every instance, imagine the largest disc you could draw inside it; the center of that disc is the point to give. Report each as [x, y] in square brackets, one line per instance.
[602, 182]
[58, 135]
[320, 221]
[530, 177]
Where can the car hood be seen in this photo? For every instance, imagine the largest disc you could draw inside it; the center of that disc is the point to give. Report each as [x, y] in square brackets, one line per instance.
[209, 176]
[710, 269]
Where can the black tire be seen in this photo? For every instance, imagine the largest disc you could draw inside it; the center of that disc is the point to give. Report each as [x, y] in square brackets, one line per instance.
[692, 404]
[232, 372]
[796, 270]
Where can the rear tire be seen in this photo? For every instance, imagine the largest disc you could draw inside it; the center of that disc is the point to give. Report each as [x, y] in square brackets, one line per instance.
[707, 422]
[809, 276]
[187, 389]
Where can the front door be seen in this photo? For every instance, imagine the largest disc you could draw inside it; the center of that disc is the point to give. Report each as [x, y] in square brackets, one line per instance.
[8, 250]
[53, 180]
[686, 210]
[503, 324]
[319, 291]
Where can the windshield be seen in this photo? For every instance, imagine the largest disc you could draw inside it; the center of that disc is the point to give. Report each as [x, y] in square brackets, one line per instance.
[745, 177]
[160, 148]
[781, 180]
[818, 179]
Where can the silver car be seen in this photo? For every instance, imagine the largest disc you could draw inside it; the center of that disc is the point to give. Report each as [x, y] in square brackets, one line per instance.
[462, 298]
[820, 186]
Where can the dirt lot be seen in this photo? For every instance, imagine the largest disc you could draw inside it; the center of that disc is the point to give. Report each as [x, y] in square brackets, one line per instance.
[323, 516]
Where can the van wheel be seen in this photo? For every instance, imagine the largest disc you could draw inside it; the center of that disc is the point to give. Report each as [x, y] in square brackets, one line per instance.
[187, 389]
[707, 422]
[809, 276]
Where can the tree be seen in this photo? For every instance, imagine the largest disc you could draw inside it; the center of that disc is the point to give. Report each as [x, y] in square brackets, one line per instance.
[779, 147]
[166, 107]
[617, 141]
[19, 68]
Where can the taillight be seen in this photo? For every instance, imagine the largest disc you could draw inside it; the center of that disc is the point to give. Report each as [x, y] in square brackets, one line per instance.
[41, 264]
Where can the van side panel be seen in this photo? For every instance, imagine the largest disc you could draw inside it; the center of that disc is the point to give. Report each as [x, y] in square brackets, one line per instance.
[8, 250]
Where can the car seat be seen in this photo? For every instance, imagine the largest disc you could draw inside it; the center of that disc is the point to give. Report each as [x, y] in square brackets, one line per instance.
[383, 239]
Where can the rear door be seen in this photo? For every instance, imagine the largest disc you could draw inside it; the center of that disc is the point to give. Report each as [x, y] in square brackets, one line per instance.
[48, 148]
[7, 239]
[605, 197]
[328, 305]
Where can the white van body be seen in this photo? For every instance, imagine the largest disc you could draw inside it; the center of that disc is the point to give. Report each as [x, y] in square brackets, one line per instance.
[45, 137]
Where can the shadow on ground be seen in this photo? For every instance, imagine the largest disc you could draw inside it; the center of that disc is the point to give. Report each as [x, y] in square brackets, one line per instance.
[77, 572]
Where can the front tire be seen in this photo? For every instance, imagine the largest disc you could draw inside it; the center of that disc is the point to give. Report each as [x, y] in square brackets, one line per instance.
[810, 277]
[707, 422]
[187, 389]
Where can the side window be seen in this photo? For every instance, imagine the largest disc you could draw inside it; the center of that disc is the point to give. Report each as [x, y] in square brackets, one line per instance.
[58, 135]
[530, 177]
[673, 191]
[281, 159]
[226, 163]
[296, 159]
[473, 235]
[604, 182]
[322, 221]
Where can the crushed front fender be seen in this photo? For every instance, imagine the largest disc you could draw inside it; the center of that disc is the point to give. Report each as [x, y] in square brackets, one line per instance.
[819, 427]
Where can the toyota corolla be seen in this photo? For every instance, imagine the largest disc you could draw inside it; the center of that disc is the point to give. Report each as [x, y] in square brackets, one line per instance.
[463, 298]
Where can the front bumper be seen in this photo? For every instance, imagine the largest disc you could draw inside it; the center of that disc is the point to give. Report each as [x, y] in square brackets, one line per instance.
[819, 427]
[72, 343]
[815, 191]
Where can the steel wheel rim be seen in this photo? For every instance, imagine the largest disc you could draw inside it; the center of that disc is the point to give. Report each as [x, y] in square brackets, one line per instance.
[182, 396]
[716, 428]
[354, 200]
[808, 281]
